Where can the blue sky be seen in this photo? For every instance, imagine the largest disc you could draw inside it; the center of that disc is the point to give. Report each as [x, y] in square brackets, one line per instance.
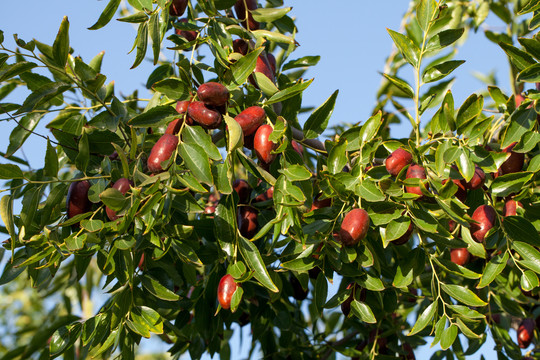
[350, 37]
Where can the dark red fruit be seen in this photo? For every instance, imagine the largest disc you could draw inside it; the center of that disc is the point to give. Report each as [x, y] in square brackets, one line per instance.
[174, 126]
[267, 195]
[354, 227]
[243, 190]
[460, 256]
[405, 237]
[514, 163]
[297, 147]
[485, 216]
[189, 35]
[213, 94]
[240, 9]
[178, 7]
[318, 204]
[451, 225]
[77, 198]
[123, 186]
[477, 180]
[461, 192]
[250, 119]
[409, 353]
[161, 151]
[298, 291]
[272, 61]
[397, 161]
[525, 333]
[510, 207]
[240, 46]
[247, 221]
[226, 288]
[417, 172]
[262, 145]
[264, 67]
[202, 115]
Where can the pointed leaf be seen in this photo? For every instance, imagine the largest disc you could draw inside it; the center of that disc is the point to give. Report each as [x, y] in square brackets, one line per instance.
[410, 51]
[463, 295]
[318, 120]
[253, 259]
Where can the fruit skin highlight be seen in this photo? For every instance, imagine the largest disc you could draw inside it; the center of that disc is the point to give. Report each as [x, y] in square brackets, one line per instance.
[525, 333]
[485, 216]
[514, 163]
[397, 161]
[250, 119]
[178, 7]
[263, 146]
[161, 151]
[460, 256]
[226, 288]
[354, 227]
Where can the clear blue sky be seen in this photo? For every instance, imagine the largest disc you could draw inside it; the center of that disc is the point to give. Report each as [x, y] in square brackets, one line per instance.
[350, 36]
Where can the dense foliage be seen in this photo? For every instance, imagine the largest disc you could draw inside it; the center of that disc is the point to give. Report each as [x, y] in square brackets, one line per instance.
[211, 204]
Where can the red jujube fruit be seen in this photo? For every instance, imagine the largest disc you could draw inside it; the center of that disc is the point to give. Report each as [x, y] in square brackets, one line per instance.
[241, 13]
[262, 145]
[460, 256]
[397, 161]
[514, 163]
[202, 115]
[123, 186]
[354, 227]
[226, 288]
[161, 151]
[247, 221]
[485, 216]
[525, 333]
[250, 119]
[213, 94]
[243, 190]
[418, 172]
[77, 198]
[178, 7]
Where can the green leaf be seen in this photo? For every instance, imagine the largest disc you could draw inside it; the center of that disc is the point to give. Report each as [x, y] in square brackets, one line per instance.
[106, 15]
[266, 85]
[493, 268]
[471, 108]
[408, 49]
[10, 171]
[321, 292]
[197, 135]
[518, 228]
[51, 161]
[530, 255]
[363, 312]
[225, 224]
[7, 72]
[396, 228]
[241, 69]
[424, 319]
[440, 71]
[370, 191]
[42, 95]
[235, 136]
[135, 18]
[449, 336]
[61, 43]
[253, 258]
[370, 128]
[529, 280]
[401, 84]
[74, 242]
[6, 213]
[173, 88]
[83, 157]
[156, 116]
[302, 62]
[337, 158]
[519, 58]
[236, 298]
[155, 288]
[318, 120]
[462, 294]
[289, 92]
[273, 36]
[425, 11]
[113, 199]
[296, 173]
[12, 269]
[142, 43]
[155, 36]
[521, 121]
[197, 161]
[443, 39]
[92, 225]
[148, 319]
[530, 74]
[269, 14]
[510, 183]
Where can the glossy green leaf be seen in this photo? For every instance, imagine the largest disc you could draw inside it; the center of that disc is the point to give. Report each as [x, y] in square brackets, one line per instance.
[197, 161]
[302, 62]
[156, 116]
[141, 43]
[235, 137]
[106, 15]
[51, 161]
[410, 51]
[337, 158]
[424, 319]
[10, 171]
[296, 173]
[462, 294]
[510, 183]
[425, 11]
[396, 228]
[241, 69]
[471, 108]
[362, 311]
[531, 256]
[440, 71]
[174, 88]
[7, 72]
[92, 225]
[61, 43]
[113, 199]
[401, 84]
[289, 92]
[529, 280]
[154, 287]
[269, 14]
[318, 120]
[274, 36]
[225, 224]
[449, 336]
[321, 292]
[493, 268]
[148, 318]
[197, 135]
[521, 121]
[370, 191]
[253, 258]
[519, 58]
[530, 74]
[74, 242]
[6, 214]
[520, 229]
[370, 128]
[83, 157]
[42, 95]
[443, 39]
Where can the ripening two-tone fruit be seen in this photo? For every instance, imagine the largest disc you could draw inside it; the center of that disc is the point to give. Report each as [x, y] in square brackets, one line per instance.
[241, 13]
[77, 198]
[263, 146]
[397, 161]
[415, 172]
[226, 288]
[485, 217]
[162, 151]
[122, 185]
[525, 333]
[354, 227]
[178, 7]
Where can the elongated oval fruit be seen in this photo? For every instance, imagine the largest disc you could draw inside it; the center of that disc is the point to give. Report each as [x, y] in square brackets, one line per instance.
[264, 67]
[460, 256]
[241, 13]
[189, 35]
[77, 198]
[243, 190]
[174, 126]
[123, 186]
[477, 180]
[354, 227]
[240, 46]
[178, 7]
[418, 172]
[510, 207]
[162, 151]
[226, 288]
[485, 216]
[250, 119]
[213, 94]
[514, 163]
[263, 146]
[525, 333]
[397, 161]
[247, 221]
[202, 115]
